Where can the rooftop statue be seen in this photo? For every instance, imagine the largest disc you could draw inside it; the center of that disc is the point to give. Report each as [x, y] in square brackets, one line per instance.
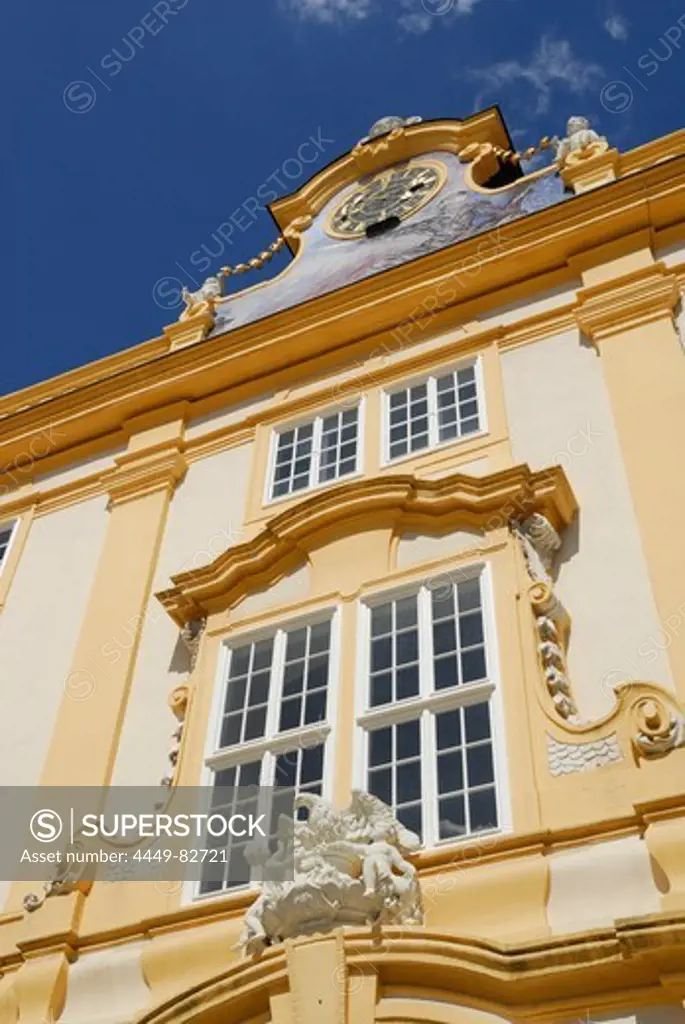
[203, 300]
[338, 867]
[581, 142]
[389, 124]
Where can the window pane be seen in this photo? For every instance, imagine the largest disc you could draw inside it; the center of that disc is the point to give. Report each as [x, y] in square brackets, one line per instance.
[394, 652]
[465, 768]
[483, 810]
[407, 682]
[409, 782]
[380, 747]
[407, 647]
[293, 460]
[450, 772]
[380, 785]
[306, 670]
[399, 784]
[226, 800]
[408, 420]
[299, 770]
[479, 765]
[339, 439]
[477, 722]
[411, 818]
[247, 693]
[458, 628]
[452, 817]
[408, 742]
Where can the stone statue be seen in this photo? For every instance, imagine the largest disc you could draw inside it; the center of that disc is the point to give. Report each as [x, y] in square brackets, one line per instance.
[580, 143]
[203, 300]
[338, 867]
[389, 124]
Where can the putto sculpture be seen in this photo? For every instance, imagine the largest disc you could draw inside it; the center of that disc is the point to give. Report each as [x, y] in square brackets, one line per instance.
[581, 142]
[337, 867]
[388, 124]
[203, 300]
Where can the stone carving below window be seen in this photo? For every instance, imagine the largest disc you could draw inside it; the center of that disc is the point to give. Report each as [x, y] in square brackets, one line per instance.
[350, 867]
[566, 758]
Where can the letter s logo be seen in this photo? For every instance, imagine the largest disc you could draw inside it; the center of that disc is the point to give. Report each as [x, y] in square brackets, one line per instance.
[46, 826]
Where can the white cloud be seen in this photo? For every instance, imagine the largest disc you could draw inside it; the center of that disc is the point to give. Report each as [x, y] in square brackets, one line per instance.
[553, 63]
[417, 22]
[415, 16]
[617, 27]
[332, 10]
[419, 16]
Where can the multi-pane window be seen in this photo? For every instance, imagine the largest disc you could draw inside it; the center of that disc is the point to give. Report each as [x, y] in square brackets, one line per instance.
[6, 531]
[435, 411]
[274, 725]
[313, 453]
[427, 721]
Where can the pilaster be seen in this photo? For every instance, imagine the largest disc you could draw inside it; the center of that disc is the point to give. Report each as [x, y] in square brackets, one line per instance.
[140, 486]
[630, 320]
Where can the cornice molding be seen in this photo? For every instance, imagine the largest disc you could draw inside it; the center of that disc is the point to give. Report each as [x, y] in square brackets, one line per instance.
[637, 961]
[640, 297]
[138, 474]
[487, 502]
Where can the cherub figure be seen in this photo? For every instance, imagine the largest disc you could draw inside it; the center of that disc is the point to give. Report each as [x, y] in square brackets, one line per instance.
[380, 861]
[581, 141]
[203, 300]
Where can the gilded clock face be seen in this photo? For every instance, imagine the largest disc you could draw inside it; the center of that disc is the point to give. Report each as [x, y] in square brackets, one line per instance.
[393, 194]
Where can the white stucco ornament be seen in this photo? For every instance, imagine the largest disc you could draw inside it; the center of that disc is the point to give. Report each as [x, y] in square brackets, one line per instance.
[385, 125]
[581, 142]
[350, 867]
[203, 300]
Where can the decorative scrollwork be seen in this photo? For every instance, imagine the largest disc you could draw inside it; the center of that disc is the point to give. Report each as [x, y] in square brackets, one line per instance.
[540, 542]
[658, 730]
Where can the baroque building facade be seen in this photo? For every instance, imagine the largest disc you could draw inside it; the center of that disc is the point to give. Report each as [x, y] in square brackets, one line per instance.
[403, 523]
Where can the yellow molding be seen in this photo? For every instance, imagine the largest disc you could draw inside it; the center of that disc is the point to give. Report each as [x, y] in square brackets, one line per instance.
[9, 567]
[135, 476]
[338, 321]
[361, 504]
[608, 968]
[613, 307]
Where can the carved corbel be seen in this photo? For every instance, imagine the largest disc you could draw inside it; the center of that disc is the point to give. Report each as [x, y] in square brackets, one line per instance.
[191, 634]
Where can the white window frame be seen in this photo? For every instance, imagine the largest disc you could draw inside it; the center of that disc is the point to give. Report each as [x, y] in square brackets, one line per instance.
[268, 747]
[431, 380]
[11, 525]
[430, 702]
[317, 420]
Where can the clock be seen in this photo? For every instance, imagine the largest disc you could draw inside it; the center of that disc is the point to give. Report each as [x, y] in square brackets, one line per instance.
[388, 198]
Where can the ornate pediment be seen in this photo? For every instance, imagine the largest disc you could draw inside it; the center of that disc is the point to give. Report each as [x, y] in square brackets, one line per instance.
[403, 501]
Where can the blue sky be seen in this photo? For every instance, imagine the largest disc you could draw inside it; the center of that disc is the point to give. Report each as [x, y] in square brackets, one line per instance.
[134, 129]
